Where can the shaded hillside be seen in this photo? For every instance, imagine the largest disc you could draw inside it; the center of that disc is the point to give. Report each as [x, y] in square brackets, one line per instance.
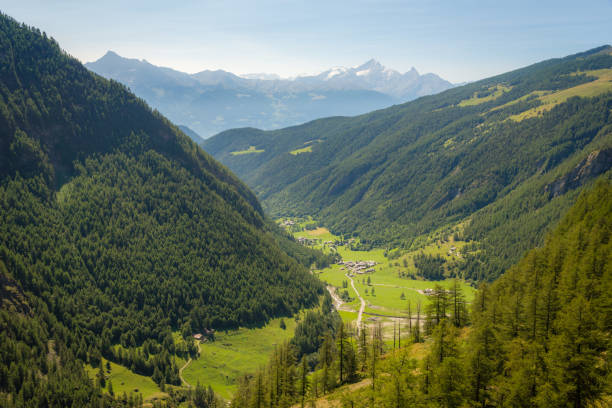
[499, 148]
[115, 228]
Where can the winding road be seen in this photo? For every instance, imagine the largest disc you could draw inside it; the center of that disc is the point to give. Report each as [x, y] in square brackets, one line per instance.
[185, 366]
[362, 308]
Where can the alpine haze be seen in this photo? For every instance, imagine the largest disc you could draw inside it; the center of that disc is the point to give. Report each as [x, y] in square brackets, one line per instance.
[211, 101]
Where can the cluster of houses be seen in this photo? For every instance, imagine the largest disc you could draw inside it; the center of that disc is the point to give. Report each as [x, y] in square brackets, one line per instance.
[429, 292]
[453, 251]
[308, 241]
[287, 223]
[357, 268]
[341, 242]
[209, 334]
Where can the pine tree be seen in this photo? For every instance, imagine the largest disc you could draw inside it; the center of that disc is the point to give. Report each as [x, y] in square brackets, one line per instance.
[417, 326]
[110, 388]
[436, 308]
[341, 339]
[304, 386]
[101, 378]
[259, 394]
[458, 315]
[363, 346]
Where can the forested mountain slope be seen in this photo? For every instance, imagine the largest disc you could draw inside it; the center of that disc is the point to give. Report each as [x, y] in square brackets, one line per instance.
[115, 228]
[542, 331]
[510, 152]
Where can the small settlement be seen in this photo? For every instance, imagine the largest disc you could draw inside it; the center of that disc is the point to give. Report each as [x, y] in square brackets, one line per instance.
[308, 241]
[357, 268]
[287, 223]
[208, 335]
[453, 251]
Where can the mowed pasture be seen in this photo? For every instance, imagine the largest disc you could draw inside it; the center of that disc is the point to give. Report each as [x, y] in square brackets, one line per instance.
[306, 149]
[250, 150]
[125, 381]
[235, 353]
[493, 93]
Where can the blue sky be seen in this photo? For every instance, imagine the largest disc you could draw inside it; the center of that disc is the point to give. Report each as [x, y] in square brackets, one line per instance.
[461, 40]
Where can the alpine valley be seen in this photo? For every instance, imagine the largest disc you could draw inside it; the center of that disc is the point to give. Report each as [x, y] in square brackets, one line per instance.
[450, 251]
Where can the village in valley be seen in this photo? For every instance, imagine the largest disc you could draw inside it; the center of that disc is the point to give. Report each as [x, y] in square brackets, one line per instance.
[357, 268]
[390, 283]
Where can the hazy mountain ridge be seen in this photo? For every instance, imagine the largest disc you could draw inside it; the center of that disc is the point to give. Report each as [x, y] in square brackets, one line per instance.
[211, 101]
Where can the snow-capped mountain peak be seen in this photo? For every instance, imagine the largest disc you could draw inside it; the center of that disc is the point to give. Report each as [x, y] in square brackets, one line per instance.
[371, 64]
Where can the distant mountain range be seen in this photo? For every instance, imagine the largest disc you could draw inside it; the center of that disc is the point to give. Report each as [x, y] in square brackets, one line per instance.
[209, 102]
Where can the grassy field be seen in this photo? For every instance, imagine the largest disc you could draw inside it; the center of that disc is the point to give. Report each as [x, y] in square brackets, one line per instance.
[602, 84]
[126, 381]
[250, 150]
[306, 149]
[495, 92]
[234, 353]
[534, 94]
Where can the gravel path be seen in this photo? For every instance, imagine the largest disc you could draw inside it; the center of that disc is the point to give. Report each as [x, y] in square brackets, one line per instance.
[363, 303]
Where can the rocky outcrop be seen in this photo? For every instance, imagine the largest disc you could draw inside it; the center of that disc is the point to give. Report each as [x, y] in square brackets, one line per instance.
[597, 162]
[12, 297]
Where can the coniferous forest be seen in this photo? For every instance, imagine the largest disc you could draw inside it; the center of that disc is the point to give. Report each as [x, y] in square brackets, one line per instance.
[120, 239]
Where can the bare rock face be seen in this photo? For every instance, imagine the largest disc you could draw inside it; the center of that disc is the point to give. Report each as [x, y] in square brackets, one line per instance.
[596, 163]
[12, 297]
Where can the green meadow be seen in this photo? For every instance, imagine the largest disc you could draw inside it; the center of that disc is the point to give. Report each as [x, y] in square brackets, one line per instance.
[125, 381]
[494, 93]
[306, 149]
[234, 353]
[250, 150]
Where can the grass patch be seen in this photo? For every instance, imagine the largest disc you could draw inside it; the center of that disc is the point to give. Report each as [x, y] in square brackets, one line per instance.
[534, 94]
[306, 149]
[347, 316]
[126, 381]
[250, 150]
[235, 353]
[321, 234]
[493, 93]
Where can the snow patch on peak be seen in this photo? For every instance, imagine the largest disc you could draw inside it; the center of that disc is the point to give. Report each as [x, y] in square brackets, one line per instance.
[363, 72]
[335, 72]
